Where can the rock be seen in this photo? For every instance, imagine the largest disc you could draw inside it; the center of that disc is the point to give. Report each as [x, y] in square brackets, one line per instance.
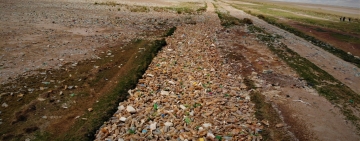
[4, 105]
[90, 109]
[130, 109]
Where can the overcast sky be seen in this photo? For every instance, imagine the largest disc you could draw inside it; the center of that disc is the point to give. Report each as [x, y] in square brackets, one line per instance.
[348, 3]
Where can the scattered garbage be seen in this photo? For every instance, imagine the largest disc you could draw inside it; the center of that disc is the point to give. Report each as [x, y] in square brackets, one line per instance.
[187, 93]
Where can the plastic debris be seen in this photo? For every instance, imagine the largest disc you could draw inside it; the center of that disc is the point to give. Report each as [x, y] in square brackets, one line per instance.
[123, 119]
[187, 93]
[130, 109]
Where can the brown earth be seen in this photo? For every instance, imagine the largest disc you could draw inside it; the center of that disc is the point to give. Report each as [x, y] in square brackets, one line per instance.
[61, 41]
[309, 115]
[325, 35]
[307, 121]
[60, 58]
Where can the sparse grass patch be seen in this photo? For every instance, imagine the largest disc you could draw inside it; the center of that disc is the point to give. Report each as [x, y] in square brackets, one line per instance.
[170, 31]
[91, 88]
[215, 6]
[326, 85]
[139, 9]
[227, 20]
[182, 10]
[337, 52]
[265, 111]
[202, 9]
[107, 105]
[109, 3]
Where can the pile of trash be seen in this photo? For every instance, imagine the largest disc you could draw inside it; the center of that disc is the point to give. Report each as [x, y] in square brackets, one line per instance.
[188, 93]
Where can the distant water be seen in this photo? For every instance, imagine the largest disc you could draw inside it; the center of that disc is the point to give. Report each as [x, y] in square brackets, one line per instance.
[346, 3]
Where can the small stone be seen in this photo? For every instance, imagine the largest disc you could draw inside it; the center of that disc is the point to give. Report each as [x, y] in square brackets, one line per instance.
[123, 119]
[5, 105]
[130, 109]
[90, 109]
[44, 117]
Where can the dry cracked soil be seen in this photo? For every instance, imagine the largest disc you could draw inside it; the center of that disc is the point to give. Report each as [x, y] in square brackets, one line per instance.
[60, 59]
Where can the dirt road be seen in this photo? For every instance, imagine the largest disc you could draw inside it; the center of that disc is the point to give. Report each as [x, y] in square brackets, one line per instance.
[343, 71]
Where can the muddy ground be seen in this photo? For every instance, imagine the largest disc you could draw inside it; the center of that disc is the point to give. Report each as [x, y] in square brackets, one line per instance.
[58, 59]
